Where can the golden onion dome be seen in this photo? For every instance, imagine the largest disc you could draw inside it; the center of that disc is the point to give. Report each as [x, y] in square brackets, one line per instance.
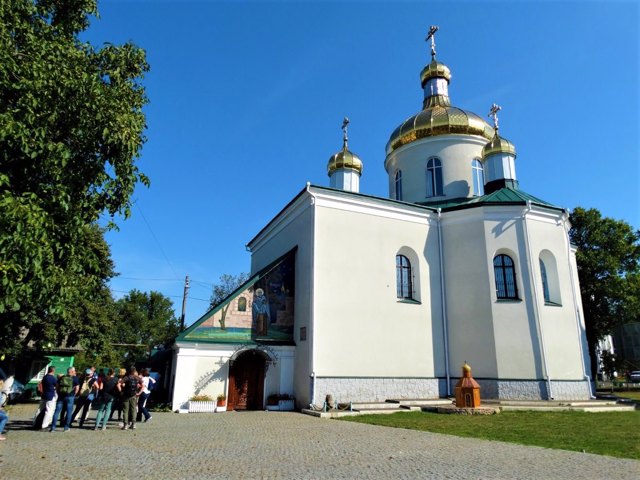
[433, 70]
[438, 118]
[344, 159]
[498, 144]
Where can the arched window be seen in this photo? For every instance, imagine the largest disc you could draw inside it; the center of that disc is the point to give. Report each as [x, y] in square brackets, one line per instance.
[505, 273]
[398, 185]
[545, 282]
[242, 304]
[434, 177]
[404, 284]
[549, 277]
[478, 177]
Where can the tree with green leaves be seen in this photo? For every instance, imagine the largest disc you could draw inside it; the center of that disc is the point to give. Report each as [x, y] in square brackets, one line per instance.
[608, 259]
[71, 130]
[221, 290]
[143, 321]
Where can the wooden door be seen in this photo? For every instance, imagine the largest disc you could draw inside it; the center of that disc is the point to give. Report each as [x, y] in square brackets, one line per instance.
[246, 382]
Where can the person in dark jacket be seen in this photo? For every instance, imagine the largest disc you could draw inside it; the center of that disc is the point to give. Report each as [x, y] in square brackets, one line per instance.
[48, 398]
[130, 387]
[106, 396]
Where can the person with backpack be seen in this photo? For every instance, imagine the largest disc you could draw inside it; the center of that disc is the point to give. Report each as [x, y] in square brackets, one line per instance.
[88, 389]
[68, 386]
[105, 399]
[147, 386]
[130, 387]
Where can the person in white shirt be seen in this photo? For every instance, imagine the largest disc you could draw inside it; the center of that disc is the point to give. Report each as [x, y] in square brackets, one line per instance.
[147, 382]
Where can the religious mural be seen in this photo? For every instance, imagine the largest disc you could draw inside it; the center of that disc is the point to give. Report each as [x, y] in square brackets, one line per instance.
[261, 310]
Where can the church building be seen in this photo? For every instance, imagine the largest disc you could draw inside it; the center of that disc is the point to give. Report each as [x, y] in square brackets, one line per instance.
[368, 298]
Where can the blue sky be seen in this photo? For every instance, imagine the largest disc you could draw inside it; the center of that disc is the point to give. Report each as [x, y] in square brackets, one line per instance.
[247, 99]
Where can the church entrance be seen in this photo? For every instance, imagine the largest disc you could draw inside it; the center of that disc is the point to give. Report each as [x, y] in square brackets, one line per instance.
[246, 381]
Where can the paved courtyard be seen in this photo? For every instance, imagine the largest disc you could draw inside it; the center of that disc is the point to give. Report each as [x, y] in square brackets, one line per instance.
[280, 445]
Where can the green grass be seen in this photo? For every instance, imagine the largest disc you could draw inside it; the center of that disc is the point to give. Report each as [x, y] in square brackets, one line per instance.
[616, 434]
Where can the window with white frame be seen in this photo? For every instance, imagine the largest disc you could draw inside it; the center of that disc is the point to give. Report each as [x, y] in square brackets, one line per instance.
[505, 276]
[39, 369]
[404, 283]
[478, 177]
[398, 185]
[434, 177]
[549, 279]
[545, 282]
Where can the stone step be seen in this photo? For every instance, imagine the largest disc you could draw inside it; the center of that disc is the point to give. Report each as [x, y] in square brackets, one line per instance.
[423, 402]
[329, 414]
[378, 411]
[550, 408]
[550, 403]
[374, 405]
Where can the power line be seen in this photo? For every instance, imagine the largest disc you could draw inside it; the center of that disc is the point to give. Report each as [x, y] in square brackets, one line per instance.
[155, 238]
[148, 279]
[170, 296]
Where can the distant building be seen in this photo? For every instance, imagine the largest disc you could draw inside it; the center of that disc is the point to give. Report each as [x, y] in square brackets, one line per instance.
[626, 340]
[368, 298]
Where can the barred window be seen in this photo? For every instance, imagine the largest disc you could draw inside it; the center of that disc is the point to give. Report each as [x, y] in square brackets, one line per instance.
[505, 274]
[403, 277]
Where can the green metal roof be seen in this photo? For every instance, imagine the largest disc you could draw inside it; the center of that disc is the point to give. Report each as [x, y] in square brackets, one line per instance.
[503, 196]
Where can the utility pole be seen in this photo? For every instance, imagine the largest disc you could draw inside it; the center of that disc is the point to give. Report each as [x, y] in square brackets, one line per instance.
[184, 302]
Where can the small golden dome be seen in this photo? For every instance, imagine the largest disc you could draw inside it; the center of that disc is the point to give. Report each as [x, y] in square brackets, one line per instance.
[498, 144]
[438, 118]
[466, 367]
[344, 159]
[433, 70]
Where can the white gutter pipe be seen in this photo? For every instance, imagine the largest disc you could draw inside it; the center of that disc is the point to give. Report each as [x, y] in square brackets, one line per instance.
[310, 332]
[444, 307]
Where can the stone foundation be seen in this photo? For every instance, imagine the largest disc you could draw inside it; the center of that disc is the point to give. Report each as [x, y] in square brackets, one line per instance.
[376, 389]
[533, 389]
[370, 389]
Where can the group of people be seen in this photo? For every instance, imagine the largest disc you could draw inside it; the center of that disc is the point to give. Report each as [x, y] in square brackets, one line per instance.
[126, 394]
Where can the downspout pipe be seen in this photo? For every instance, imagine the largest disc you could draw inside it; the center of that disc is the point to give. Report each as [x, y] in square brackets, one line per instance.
[311, 331]
[443, 300]
[534, 284]
[575, 305]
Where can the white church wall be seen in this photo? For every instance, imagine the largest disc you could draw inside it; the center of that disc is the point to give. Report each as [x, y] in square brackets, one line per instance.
[200, 370]
[361, 328]
[293, 229]
[560, 328]
[468, 292]
[456, 152]
[518, 348]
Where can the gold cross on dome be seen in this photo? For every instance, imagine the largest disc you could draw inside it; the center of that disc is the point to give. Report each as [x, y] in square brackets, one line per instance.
[432, 36]
[345, 123]
[493, 113]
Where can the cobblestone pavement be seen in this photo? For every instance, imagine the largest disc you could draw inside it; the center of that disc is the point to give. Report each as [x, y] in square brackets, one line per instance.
[280, 445]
